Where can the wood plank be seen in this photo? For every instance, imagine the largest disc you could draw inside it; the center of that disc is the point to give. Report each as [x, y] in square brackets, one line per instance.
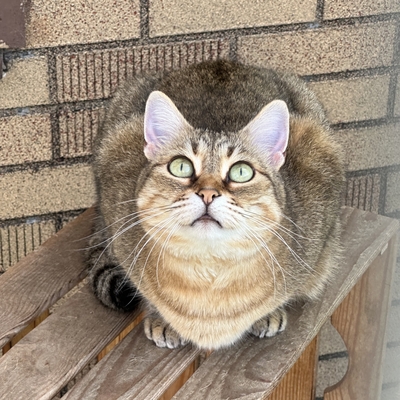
[29, 288]
[120, 337]
[25, 331]
[365, 310]
[180, 381]
[252, 369]
[135, 369]
[47, 358]
[300, 382]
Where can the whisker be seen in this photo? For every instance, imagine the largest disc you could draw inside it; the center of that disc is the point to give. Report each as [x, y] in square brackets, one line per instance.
[164, 246]
[250, 237]
[120, 232]
[134, 214]
[158, 228]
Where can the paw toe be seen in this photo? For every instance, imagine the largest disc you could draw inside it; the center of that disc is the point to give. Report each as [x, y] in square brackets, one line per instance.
[162, 334]
[270, 325]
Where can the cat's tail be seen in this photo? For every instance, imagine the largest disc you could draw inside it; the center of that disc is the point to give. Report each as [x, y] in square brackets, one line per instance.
[108, 279]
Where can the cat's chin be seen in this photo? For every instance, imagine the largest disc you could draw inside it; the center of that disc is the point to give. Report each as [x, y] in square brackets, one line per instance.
[209, 233]
[207, 223]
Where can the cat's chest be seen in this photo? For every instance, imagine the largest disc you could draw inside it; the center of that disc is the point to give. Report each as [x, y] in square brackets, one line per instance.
[209, 287]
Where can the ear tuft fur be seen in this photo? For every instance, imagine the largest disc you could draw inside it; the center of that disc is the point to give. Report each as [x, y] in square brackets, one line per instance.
[162, 122]
[269, 131]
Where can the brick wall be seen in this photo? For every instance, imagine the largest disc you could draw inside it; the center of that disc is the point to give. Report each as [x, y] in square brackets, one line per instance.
[77, 52]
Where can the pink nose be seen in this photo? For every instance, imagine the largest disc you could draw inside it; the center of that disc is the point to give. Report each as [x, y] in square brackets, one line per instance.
[208, 195]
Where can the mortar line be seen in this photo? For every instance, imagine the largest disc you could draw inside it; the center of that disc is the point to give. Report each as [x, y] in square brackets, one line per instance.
[144, 20]
[319, 12]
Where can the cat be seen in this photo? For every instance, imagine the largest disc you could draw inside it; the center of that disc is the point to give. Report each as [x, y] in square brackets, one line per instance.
[218, 199]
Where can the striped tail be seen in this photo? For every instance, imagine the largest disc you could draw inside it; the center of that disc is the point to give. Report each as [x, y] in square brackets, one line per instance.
[109, 280]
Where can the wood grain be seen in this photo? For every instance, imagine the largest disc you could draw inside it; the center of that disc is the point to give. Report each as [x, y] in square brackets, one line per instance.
[40, 279]
[135, 369]
[53, 353]
[180, 381]
[361, 321]
[25, 331]
[120, 337]
[300, 382]
[252, 369]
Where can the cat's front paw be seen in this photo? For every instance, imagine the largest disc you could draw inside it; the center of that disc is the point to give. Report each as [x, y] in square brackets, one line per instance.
[161, 333]
[270, 325]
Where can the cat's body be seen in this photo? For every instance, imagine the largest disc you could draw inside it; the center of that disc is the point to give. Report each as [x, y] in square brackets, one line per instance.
[214, 226]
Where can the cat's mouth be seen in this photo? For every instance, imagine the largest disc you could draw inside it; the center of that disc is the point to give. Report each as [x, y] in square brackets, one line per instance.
[206, 218]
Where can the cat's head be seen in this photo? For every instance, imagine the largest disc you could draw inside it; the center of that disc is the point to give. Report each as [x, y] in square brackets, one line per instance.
[205, 191]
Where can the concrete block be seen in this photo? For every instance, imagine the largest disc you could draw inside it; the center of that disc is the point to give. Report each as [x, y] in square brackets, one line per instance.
[49, 190]
[357, 8]
[329, 373]
[391, 365]
[171, 17]
[393, 192]
[16, 241]
[330, 340]
[25, 84]
[370, 147]
[96, 74]
[320, 51]
[397, 102]
[55, 23]
[78, 130]
[391, 392]
[363, 192]
[354, 99]
[393, 327]
[25, 139]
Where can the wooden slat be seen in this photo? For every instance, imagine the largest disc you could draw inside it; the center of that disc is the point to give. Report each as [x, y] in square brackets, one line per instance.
[25, 331]
[252, 369]
[361, 321]
[181, 380]
[120, 337]
[29, 288]
[67, 340]
[135, 369]
[300, 382]
[45, 360]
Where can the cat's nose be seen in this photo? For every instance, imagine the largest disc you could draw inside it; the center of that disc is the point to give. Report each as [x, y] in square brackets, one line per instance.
[208, 195]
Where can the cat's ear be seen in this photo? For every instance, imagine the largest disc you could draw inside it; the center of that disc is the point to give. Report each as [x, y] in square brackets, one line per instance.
[162, 123]
[269, 131]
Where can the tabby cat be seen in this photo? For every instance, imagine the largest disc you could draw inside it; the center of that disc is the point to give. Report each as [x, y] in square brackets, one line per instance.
[218, 195]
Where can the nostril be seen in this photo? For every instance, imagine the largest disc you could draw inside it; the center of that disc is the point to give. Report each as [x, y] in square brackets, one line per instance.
[208, 195]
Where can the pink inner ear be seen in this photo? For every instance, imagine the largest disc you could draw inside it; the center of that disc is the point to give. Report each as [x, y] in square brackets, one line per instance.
[269, 131]
[162, 123]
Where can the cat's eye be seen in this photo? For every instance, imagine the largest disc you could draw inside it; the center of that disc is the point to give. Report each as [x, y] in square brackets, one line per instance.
[181, 167]
[241, 172]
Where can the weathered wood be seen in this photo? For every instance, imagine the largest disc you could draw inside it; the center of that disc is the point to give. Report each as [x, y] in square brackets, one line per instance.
[25, 331]
[180, 381]
[47, 358]
[120, 337]
[40, 279]
[300, 382]
[51, 355]
[135, 369]
[252, 369]
[361, 321]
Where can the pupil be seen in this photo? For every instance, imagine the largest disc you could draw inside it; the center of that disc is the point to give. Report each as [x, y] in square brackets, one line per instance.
[241, 173]
[181, 166]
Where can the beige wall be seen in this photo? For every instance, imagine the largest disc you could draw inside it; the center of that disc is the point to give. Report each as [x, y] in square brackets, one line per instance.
[54, 92]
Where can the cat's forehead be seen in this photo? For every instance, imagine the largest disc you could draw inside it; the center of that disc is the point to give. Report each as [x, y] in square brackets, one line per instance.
[213, 152]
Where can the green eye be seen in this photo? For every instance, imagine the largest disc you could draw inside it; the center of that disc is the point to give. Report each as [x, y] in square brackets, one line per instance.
[241, 172]
[181, 167]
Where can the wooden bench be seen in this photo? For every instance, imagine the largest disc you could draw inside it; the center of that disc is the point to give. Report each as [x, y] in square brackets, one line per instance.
[55, 348]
